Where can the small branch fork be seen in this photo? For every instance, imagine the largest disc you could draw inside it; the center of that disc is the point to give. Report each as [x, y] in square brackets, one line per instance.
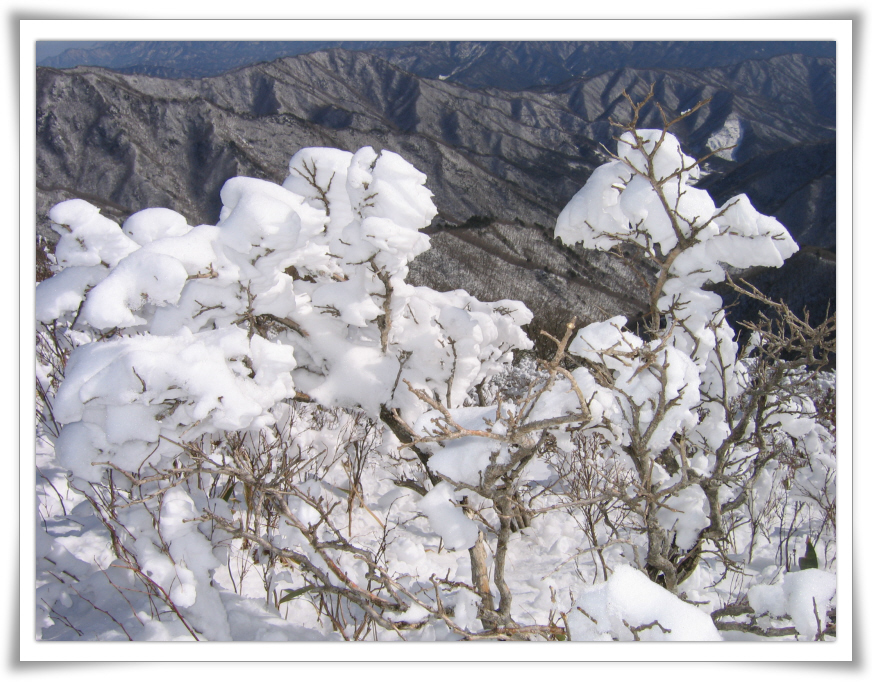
[309, 173]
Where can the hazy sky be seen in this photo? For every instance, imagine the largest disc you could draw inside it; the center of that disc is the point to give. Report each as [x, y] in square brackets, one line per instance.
[50, 48]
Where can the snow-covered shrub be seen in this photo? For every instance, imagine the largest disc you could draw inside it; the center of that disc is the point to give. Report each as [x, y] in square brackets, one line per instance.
[175, 351]
[259, 430]
[709, 430]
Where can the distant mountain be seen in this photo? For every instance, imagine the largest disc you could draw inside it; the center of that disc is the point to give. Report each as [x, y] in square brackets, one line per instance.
[501, 163]
[193, 58]
[508, 65]
[518, 65]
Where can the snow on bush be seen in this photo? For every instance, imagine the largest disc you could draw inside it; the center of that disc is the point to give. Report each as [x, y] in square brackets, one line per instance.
[448, 521]
[630, 607]
[804, 596]
[268, 434]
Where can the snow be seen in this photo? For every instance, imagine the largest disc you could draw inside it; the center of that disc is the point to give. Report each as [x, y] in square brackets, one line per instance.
[804, 596]
[273, 343]
[462, 460]
[87, 238]
[631, 599]
[65, 292]
[149, 225]
[139, 279]
[596, 204]
[728, 135]
[669, 159]
[686, 516]
[457, 531]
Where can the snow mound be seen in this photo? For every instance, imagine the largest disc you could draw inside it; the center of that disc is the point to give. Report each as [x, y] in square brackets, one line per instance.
[804, 596]
[629, 601]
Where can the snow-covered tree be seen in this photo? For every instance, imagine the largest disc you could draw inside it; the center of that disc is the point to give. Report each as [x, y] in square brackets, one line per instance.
[228, 401]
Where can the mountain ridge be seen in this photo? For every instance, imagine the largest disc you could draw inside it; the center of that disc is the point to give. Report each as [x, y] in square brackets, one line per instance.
[512, 157]
[530, 63]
